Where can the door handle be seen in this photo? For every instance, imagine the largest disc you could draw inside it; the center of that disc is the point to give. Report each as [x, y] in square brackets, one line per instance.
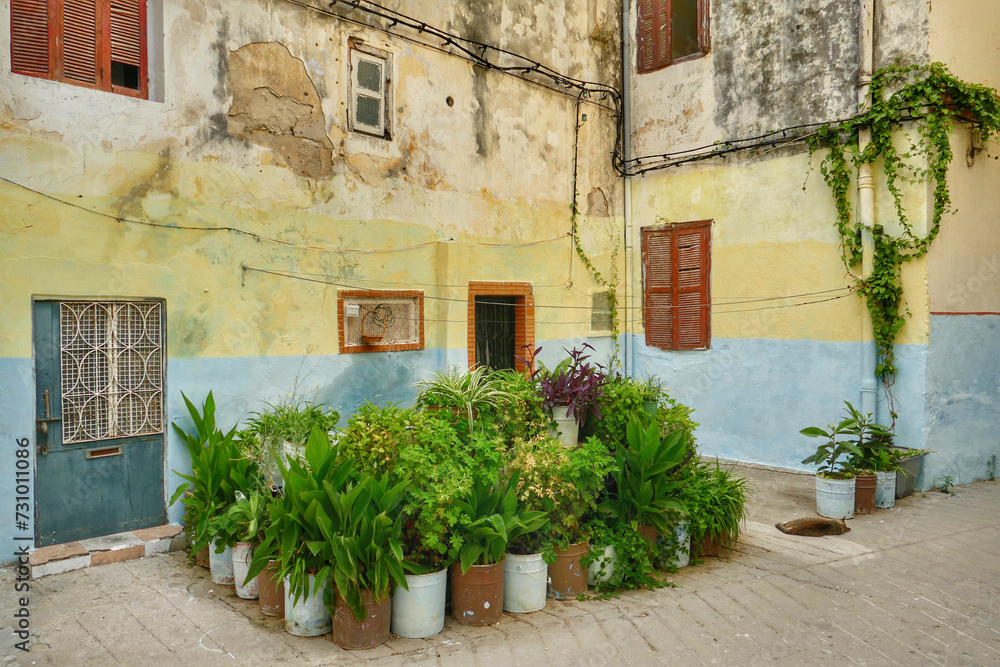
[42, 424]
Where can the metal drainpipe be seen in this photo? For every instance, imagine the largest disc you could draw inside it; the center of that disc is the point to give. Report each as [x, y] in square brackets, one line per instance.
[627, 188]
[866, 203]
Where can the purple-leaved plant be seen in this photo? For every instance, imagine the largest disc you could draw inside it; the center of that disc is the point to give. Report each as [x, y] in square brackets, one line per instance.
[573, 382]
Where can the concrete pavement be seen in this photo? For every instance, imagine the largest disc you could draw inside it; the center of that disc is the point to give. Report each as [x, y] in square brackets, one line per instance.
[915, 585]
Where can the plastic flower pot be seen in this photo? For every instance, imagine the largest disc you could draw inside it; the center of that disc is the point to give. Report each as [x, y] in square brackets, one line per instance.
[221, 565]
[567, 430]
[835, 497]
[525, 583]
[419, 612]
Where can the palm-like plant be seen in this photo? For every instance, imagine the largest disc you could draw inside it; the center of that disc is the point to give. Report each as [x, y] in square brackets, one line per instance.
[472, 391]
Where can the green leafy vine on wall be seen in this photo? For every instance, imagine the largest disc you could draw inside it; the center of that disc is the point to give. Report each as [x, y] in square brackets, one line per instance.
[933, 99]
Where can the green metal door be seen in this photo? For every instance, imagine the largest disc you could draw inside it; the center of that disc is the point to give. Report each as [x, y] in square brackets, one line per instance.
[99, 369]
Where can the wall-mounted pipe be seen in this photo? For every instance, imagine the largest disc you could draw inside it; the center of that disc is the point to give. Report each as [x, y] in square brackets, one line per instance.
[627, 185]
[866, 200]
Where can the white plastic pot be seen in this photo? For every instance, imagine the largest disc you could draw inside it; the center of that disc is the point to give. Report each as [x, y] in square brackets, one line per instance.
[603, 566]
[419, 612]
[525, 583]
[308, 617]
[885, 489]
[220, 565]
[835, 497]
[682, 557]
[566, 428]
[242, 555]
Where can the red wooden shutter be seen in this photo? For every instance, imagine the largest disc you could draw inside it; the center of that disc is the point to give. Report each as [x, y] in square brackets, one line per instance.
[659, 306]
[79, 41]
[652, 34]
[29, 37]
[691, 281]
[126, 31]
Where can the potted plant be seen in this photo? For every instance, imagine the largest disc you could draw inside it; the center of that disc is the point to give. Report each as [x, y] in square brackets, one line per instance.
[246, 518]
[302, 522]
[571, 390]
[716, 500]
[570, 502]
[492, 516]
[464, 393]
[218, 470]
[366, 557]
[834, 477]
[519, 412]
[650, 391]
[908, 470]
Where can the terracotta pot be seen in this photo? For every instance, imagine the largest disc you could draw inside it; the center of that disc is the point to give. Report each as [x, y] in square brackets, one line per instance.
[567, 576]
[649, 533]
[477, 595]
[271, 591]
[710, 546]
[350, 633]
[201, 558]
[864, 493]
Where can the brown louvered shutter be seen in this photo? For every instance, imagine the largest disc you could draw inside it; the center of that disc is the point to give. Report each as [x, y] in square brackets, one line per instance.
[79, 41]
[652, 35]
[126, 32]
[659, 306]
[677, 268]
[692, 295]
[29, 37]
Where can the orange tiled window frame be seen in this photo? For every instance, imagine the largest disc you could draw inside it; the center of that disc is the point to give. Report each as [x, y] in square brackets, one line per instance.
[346, 295]
[524, 303]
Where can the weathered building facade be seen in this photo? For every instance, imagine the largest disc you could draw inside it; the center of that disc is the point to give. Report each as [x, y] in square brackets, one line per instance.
[225, 213]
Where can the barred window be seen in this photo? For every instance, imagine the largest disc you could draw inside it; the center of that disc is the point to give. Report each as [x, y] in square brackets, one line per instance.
[380, 320]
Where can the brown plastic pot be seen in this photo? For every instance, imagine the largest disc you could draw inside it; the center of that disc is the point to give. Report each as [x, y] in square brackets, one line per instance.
[350, 633]
[201, 558]
[649, 533]
[864, 493]
[567, 576]
[272, 591]
[477, 595]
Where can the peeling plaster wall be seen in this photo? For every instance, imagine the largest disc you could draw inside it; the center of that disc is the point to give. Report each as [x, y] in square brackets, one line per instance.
[252, 134]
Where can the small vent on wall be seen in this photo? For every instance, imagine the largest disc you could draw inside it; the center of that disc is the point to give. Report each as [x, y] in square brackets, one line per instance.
[381, 321]
[600, 311]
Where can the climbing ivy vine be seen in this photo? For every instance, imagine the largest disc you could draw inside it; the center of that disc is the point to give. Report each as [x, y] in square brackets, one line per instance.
[932, 99]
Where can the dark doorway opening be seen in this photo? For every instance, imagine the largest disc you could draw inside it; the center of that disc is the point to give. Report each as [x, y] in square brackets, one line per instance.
[496, 331]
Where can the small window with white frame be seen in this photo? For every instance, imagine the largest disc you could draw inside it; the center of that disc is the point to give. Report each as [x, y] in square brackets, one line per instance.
[370, 94]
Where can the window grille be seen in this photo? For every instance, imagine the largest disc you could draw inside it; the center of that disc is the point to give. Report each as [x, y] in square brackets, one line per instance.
[111, 353]
[370, 321]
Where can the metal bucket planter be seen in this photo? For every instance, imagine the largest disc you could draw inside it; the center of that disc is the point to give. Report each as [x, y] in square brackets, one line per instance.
[221, 565]
[477, 595]
[835, 497]
[566, 428]
[309, 617]
[864, 493]
[567, 576]
[885, 489]
[242, 554]
[603, 566]
[373, 630]
[525, 583]
[419, 612]
[271, 590]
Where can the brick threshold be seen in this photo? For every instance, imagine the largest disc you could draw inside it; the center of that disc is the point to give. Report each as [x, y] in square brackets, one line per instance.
[59, 558]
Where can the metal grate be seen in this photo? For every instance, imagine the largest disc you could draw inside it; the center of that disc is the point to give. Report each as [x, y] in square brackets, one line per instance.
[600, 311]
[381, 320]
[111, 354]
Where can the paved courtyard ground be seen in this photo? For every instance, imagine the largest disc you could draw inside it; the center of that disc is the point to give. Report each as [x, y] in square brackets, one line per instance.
[915, 585]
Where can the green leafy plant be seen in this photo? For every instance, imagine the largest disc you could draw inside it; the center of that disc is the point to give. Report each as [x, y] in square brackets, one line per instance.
[991, 468]
[373, 435]
[519, 412]
[622, 397]
[934, 99]
[834, 456]
[471, 391]
[716, 499]
[366, 552]
[281, 431]
[574, 382]
[219, 470]
[492, 516]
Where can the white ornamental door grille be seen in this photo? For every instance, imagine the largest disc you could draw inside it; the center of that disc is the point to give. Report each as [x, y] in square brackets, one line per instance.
[111, 353]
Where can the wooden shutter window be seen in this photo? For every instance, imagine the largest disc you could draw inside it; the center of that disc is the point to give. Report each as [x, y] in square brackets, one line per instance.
[677, 267]
[655, 25]
[79, 41]
[29, 31]
[93, 43]
[653, 30]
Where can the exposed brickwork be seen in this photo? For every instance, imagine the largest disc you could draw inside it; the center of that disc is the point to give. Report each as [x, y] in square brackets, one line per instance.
[378, 347]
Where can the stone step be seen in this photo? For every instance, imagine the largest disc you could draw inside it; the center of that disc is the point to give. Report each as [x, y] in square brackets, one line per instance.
[116, 548]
